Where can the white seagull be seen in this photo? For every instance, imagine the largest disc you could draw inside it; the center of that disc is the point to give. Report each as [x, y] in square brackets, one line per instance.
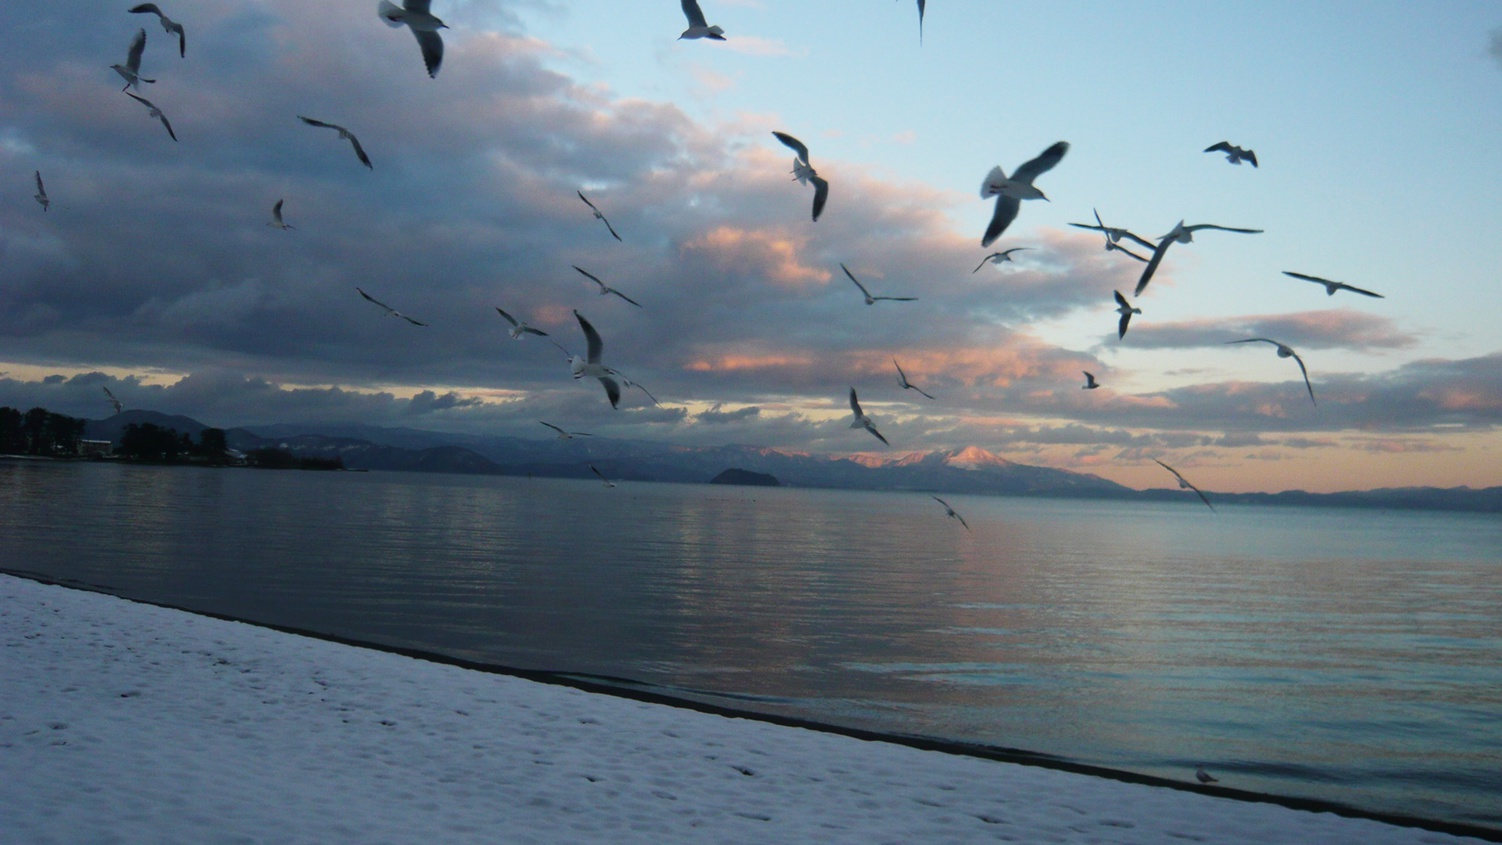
[1203, 776]
[172, 27]
[131, 70]
[1126, 311]
[1185, 485]
[1009, 193]
[1090, 382]
[861, 420]
[951, 512]
[872, 300]
[697, 26]
[1180, 234]
[1114, 236]
[566, 435]
[276, 217]
[415, 16]
[591, 366]
[519, 328]
[598, 216]
[1332, 287]
[1284, 352]
[601, 476]
[804, 173]
[1234, 154]
[998, 258]
[345, 134]
[604, 288]
[114, 403]
[904, 383]
[390, 312]
[41, 194]
[155, 112]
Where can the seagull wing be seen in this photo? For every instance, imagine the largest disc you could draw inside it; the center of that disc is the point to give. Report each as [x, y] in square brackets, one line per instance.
[1305, 371]
[592, 277]
[612, 391]
[1256, 340]
[897, 298]
[409, 319]
[591, 208]
[1139, 239]
[163, 118]
[623, 296]
[864, 291]
[359, 150]
[538, 332]
[920, 390]
[148, 8]
[1120, 248]
[1121, 325]
[1223, 147]
[1362, 291]
[182, 40]
[984, 260]
[821, 195]
[41, 190]
[137, 47]
[1152, 265]
[1198, 226]
[376, 301]
[610, 227]
[1045, 161]
[596, 346]
[871, 428]
[421, 7]
[792, 143]
[553, 427]
[510, 319]
[694, 15]
[432, 47]
[1006, 211]
[855, 405]
[311, 122]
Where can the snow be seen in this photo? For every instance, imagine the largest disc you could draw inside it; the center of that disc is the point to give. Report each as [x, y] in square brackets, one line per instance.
[127, 723]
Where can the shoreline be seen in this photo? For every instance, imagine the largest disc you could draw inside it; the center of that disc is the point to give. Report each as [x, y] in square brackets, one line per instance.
[936, 755]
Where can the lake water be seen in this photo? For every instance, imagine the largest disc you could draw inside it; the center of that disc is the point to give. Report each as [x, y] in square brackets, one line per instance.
[1345, 655]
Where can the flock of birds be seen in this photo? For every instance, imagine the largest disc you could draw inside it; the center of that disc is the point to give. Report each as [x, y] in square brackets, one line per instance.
[1008, 193]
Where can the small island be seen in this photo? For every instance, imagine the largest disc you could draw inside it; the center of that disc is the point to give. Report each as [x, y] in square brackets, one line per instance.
[746, 477]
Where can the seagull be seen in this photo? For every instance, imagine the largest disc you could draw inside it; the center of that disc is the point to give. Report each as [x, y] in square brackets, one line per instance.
[1180, 234]
[1090, 382]
[1284, 352]
[1009, 193]
[1126, 311]
[697, 26]
[591, 365]
[276, 217]
[112, 400]
[1203, 776]
[1330, 287]
[566, 435]
[343, 133]
[519, 328]
[804, 172]
[871, 300]
[950, 512]
[168, 24]
[861, 420]
[906, 385]
[998, 258]
[390, 312]
[607, 482]
[1114, 236]
[131, 70]
[155, 112]
[1184, 483]
[41, 194]
[604, 288]
[415, 15]
[921, 4]
[1234, 154]
[598, 215]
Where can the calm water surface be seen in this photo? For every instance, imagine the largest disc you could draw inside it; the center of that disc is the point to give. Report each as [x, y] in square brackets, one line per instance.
[1347, 655]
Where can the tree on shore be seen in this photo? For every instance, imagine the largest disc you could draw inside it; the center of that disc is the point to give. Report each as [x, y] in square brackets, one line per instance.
[39, 432]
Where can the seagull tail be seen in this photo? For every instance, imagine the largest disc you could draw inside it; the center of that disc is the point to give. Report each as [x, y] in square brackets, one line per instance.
[995, 177]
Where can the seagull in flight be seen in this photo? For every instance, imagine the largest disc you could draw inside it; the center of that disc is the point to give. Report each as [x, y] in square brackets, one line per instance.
[415, 16]
[872, 300]
[601, 476]
[1114, 236]
[566, 435]
[345, 134]
[998, 258]
[905, 384]
[155, 112]
[598, 216]
[1090, 382]
[1181, 234]
[591, 366]
[1126, 311]
[168, 24]
[276, 217]
[921, 4]
[1332, 287]
[861, 420]
[519, 328]
[604, 288]
[115, 403]
[1284, 352]
[804, 172]
[131, 70]
[390, 312]
[1009, 193]
[950, 512]
[41, 194]
[1234, 154]
[697, 26]
[1185, 485]
[1203, 776]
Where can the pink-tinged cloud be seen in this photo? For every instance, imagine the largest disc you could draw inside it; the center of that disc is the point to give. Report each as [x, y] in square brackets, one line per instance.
[1340, 328]
[1390, 446]
[773, 254]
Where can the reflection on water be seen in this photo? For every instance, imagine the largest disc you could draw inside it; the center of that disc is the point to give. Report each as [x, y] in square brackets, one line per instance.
[1353, 656]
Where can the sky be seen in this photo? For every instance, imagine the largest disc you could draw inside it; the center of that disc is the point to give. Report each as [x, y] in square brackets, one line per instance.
[1376, 127]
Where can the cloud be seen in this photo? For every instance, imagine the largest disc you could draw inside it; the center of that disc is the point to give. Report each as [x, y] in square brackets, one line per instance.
[1341, 328]
[1496, 47]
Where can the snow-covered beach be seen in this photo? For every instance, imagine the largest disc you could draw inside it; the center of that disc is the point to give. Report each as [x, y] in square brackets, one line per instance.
[125, 722]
